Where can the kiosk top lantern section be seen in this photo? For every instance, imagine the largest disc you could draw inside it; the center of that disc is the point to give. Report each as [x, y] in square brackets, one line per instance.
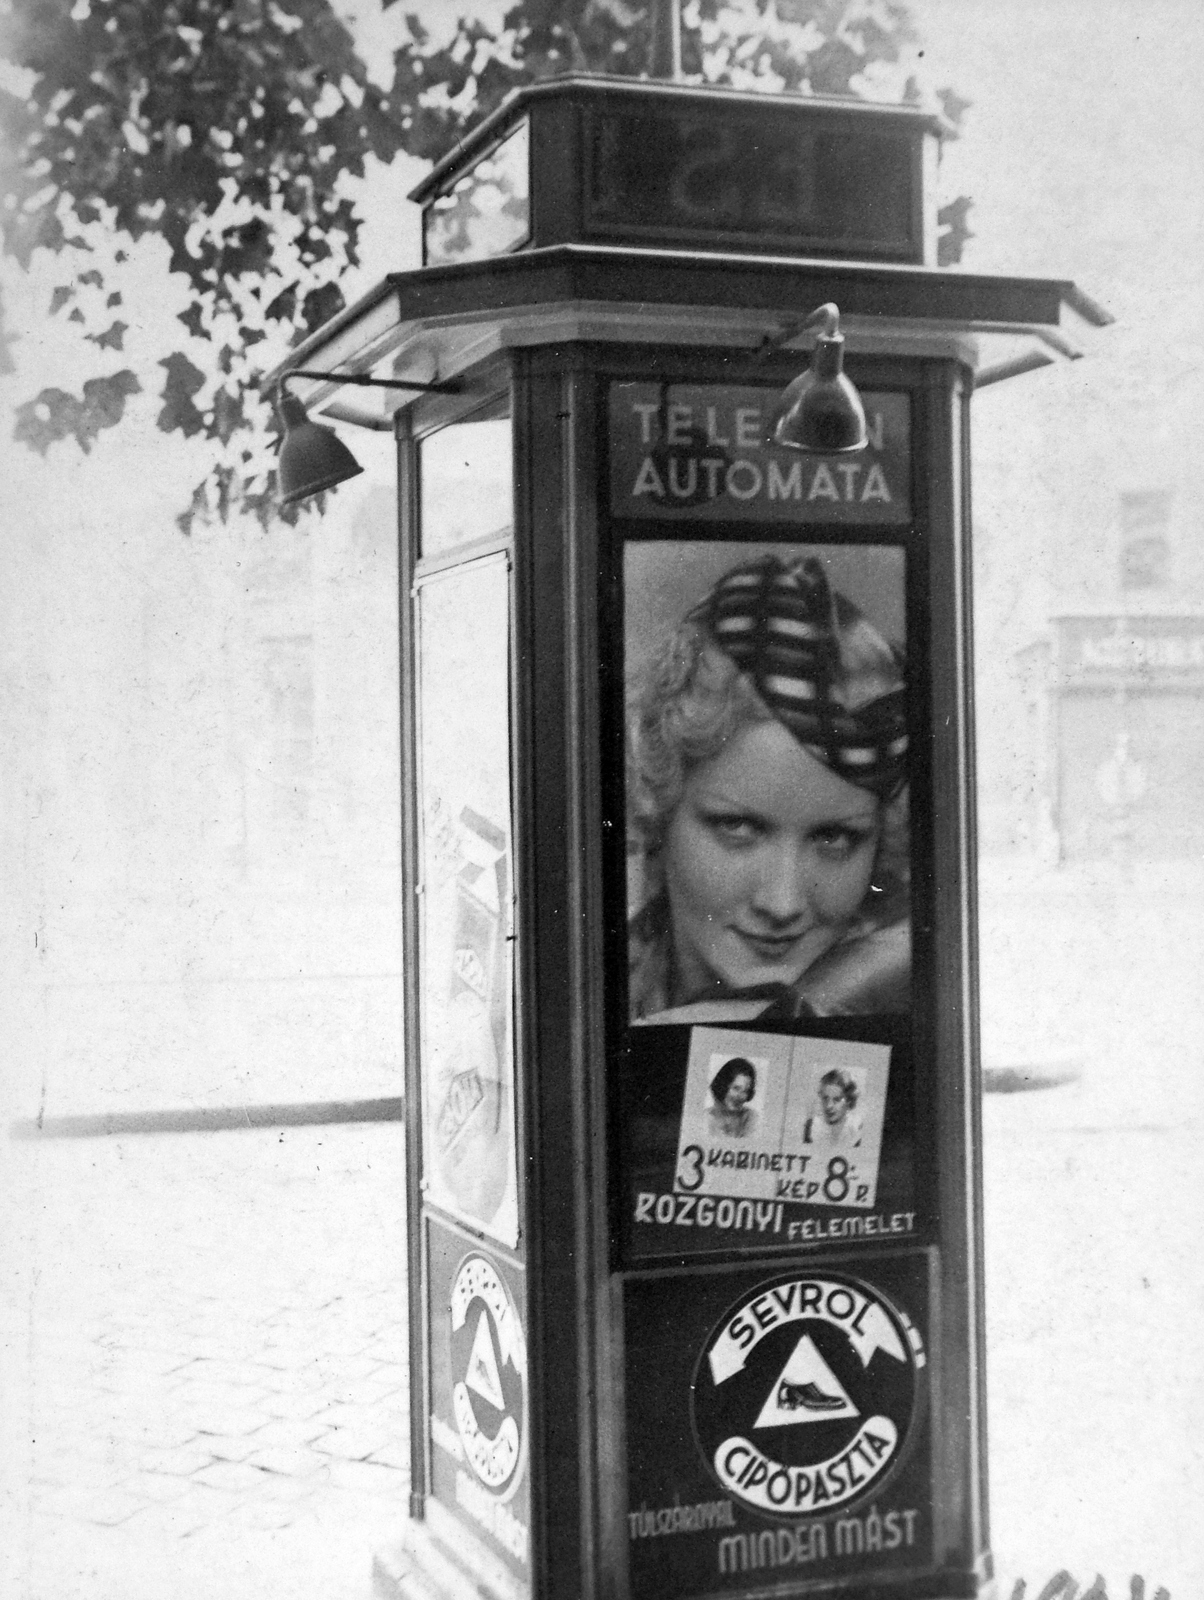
[617, 211]
[619, 161]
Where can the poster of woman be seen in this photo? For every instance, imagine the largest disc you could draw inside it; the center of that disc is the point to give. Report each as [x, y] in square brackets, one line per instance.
[767, 744]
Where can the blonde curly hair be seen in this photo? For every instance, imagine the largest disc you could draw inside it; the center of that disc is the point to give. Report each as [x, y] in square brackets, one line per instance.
[690, 698]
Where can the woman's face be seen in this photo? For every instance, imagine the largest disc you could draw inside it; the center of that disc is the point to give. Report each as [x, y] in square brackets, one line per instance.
[767, 858]
[739, 1092]
[831, 1098]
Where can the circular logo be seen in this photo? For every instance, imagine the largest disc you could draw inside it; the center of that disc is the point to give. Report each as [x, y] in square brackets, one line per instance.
[804, 1394]
[489, 1375]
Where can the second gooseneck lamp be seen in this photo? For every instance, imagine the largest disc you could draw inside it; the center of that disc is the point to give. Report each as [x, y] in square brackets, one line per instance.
[820, 412]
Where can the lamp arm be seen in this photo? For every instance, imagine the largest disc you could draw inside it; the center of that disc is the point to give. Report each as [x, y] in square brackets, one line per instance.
[450, 386]
[826, 318]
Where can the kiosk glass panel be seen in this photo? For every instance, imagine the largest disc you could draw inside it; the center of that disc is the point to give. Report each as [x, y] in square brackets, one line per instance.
[745, 178]
[486, 212]
[466, 473]
[766, 1087]
[466, 966]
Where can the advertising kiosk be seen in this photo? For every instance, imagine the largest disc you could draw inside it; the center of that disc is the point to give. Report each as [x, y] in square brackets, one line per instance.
[692, 1081]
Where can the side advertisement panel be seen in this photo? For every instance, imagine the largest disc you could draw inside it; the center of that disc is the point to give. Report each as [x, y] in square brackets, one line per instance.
[479, 1393]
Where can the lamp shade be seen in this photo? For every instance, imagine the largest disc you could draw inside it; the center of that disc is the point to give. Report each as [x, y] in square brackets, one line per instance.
[312, 456]
[821, 412]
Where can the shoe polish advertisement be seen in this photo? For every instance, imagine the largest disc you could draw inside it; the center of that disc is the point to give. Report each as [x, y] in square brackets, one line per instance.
[479, 1445]
[790, 1441]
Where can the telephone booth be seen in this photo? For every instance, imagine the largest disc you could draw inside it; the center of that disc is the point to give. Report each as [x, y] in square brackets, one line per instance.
[695, 1248]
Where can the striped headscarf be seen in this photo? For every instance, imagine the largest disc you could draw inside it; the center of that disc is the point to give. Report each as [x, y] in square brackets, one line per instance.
[782, 627]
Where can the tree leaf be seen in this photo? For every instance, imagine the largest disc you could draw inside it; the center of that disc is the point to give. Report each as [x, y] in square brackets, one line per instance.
[7, 364]
[321, 304]
[953, 230]
[179, 414]
[193, 320]
[54, 414]
[112, 338]
[228, 415]
[49, 416]
[284, 307]
[105, 398]
[953, 105]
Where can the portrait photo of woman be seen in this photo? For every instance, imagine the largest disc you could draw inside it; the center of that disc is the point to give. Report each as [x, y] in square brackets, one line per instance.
[837, 1125]
[767, 794]
[733, 1089]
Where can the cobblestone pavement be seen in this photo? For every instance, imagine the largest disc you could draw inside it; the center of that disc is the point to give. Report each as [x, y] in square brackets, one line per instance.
[215, 1391]
[1095, 1390]
[212, 1329]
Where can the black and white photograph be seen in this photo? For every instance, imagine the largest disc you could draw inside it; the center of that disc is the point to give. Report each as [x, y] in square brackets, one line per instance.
[601, 846]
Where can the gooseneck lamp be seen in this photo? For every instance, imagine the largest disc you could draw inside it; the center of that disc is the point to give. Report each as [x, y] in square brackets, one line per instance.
[820, 412]
[312, 456]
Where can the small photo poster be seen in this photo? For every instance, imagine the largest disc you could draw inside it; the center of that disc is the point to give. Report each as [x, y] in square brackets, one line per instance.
[780, 1117]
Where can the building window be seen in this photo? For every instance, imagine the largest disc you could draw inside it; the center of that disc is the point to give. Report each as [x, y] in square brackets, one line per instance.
[1145, 548]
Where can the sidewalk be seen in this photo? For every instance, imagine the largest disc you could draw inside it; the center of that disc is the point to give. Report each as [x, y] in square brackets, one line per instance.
[205, 1382]
[216, 1348]
[216, 1396]
[1095, 1393]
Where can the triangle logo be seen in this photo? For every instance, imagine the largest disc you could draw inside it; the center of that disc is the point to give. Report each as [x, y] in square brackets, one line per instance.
[806, 1390]
[482, 1375]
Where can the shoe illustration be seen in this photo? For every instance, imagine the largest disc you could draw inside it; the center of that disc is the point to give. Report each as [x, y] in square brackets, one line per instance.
[807, 1397]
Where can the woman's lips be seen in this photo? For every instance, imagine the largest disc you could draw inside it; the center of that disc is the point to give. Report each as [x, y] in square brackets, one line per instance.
[770, 946]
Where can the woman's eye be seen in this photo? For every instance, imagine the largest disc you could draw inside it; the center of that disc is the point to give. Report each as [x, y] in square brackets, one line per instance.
[733, 827]
[838, 844]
